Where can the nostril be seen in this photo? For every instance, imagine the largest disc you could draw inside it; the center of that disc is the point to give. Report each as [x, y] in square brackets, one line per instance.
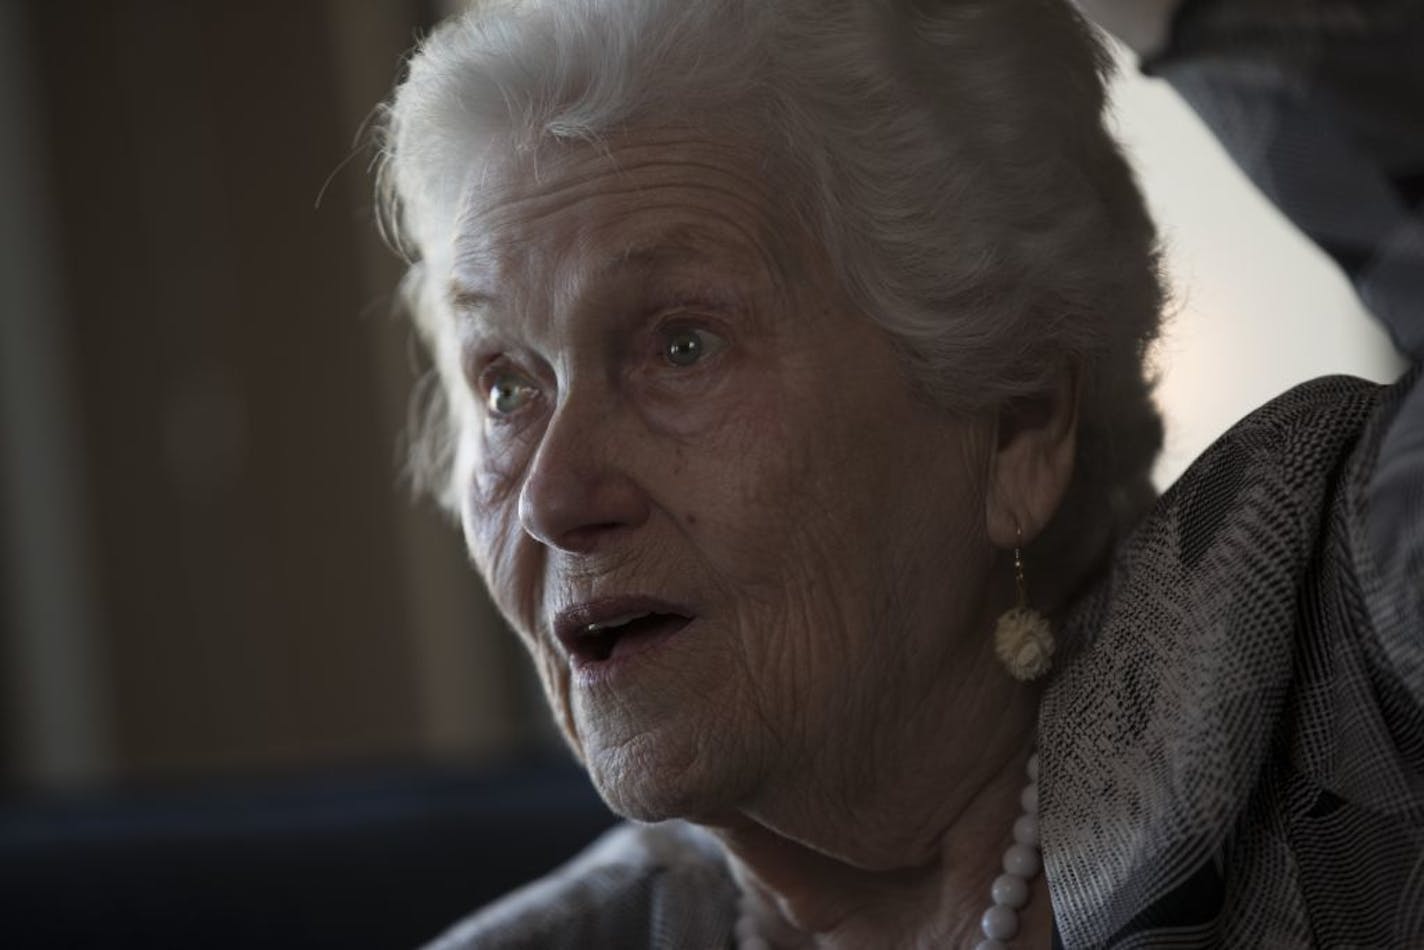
[587, 537]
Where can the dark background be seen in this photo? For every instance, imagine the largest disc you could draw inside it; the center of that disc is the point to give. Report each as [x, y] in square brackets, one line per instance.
[252, 693]
[242, 579]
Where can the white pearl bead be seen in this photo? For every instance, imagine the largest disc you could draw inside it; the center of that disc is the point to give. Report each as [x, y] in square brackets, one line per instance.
[989, 945]
[1033, 767]
[1000, 923]
[1010, 890]
[1028, 798]
[1021, 861]
[1026, 830]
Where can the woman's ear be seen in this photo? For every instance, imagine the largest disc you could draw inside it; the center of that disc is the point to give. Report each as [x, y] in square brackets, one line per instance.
[1031, 462]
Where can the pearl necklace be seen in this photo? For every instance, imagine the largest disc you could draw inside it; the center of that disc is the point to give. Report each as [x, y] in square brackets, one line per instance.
[1009, 892]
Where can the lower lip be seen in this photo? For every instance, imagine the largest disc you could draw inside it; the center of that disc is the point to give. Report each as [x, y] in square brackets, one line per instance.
[628, 653]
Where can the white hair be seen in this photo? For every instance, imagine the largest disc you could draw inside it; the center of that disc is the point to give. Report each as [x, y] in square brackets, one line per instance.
[950, 155]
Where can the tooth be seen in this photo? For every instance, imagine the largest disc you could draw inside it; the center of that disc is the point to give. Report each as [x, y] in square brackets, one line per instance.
[616, 622]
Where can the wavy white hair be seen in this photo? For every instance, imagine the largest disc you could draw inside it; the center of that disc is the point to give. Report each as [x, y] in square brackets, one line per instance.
[950, 154]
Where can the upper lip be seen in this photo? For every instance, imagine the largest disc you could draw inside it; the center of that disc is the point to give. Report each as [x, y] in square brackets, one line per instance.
[576, 620]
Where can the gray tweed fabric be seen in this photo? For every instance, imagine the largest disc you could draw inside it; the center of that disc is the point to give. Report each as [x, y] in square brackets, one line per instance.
[653, 886]
[1236, 757]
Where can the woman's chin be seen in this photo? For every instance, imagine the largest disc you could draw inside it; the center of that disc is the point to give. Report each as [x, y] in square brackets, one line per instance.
[650, 782]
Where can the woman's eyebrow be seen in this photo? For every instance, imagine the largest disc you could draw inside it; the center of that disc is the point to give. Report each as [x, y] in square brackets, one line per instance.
[646, 257]
[467, 300]
[688, 244]
[673, 245]
[474, 304]
[644, 254]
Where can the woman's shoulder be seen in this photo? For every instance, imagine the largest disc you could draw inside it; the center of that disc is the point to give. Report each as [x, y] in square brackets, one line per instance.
[1306, 482]
[636, 886]
[1195, 736]
[1258, 496]
[1277, 470]
[1296, 445]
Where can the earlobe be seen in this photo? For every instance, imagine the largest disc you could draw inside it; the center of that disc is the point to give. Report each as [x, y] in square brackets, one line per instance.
[1031, 464]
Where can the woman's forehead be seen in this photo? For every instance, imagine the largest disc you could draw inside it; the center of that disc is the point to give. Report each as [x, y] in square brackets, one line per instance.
[633, 207]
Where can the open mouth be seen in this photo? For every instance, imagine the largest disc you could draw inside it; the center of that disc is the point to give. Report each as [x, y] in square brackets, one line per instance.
[618, 636]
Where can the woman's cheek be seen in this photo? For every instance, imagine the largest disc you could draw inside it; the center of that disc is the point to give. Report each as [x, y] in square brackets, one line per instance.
[499, 456]
[496, 460]
[506, 560]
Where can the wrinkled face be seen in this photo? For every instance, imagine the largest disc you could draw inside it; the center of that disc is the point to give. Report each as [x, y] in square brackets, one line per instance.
[698, 485]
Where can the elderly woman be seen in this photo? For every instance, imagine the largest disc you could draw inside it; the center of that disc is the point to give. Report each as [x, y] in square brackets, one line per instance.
[794, 407]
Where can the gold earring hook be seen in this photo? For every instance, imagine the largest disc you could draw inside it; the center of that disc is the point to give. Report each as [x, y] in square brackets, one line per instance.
[1019, 581]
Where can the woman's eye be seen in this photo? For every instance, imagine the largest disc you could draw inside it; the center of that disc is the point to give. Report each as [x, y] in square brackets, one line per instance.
[508, 394]
[684, 346]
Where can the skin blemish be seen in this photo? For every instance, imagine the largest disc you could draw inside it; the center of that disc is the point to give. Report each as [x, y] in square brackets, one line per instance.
[691, 518]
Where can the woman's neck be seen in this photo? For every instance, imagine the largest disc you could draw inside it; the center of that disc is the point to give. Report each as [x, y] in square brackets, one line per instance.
[827, 872]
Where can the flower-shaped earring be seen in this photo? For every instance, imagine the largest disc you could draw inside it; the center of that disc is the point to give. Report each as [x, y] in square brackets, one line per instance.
[1023, 639]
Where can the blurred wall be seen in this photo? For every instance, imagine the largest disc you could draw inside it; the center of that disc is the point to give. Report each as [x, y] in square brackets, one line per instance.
[1258, 308]
[241, 582]
[54, 691]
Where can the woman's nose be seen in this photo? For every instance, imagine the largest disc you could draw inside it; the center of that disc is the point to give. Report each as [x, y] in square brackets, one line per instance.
[580, 491]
